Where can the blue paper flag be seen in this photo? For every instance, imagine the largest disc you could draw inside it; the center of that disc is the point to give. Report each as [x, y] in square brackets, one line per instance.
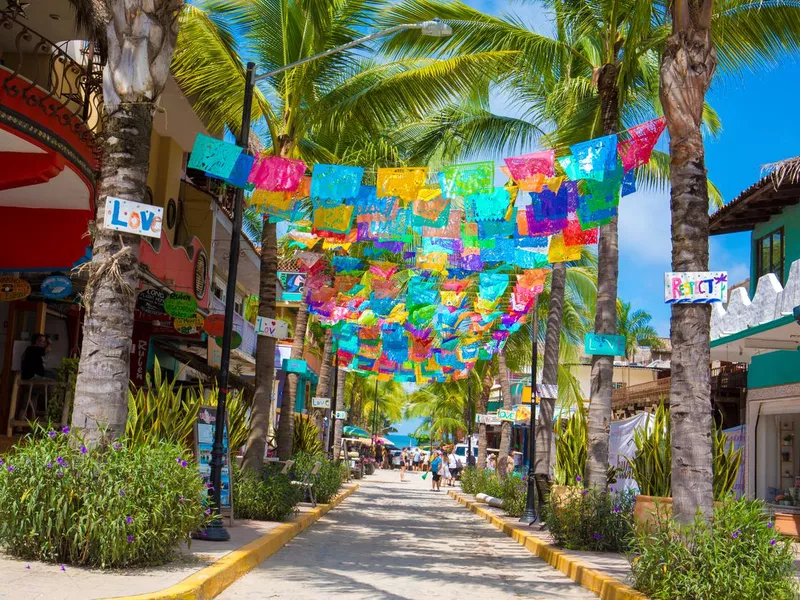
[215, 157]
[629, 183]
[336, 182]
[595, 157]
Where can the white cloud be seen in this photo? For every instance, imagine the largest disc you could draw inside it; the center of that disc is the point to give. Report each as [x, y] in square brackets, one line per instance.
[644, 228]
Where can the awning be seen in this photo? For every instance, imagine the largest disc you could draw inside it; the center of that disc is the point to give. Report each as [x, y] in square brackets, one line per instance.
[780, 334]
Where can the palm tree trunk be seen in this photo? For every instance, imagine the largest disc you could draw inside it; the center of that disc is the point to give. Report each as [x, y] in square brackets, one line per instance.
[483, 402]
[544, 422]
[133, 79]
[265, 352]
[606, 314]
[687, 67]
[324, 383]
[286, 423]
[339, 424]
[506, 427]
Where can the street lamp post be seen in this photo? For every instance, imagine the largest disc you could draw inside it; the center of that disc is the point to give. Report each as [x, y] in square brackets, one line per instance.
[530, 516]
[434, 28]
[332, 416]
[471, 418]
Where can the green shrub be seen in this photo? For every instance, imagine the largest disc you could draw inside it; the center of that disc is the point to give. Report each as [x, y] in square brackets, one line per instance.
[652, 464]
[726, 464]
[329, 478]
[514, 494]
[67, 376]
[306, 435]
[512, 489]
[113, 506]
[572, 435]
[739, 555]
[592, 520]
[270, 497]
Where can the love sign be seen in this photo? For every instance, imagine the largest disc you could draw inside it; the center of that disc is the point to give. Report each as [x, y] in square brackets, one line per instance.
[506, 415]
[695, 287]
[133, 217]
[604, 345]
[318, 402]
[274, 328]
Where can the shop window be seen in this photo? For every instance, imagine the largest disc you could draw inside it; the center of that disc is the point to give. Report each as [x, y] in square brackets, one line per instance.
[769, 252]
[238, 306]
[218, 291]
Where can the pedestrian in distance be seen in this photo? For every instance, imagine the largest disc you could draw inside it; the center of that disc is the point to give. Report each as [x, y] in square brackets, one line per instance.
[403, 463]
[491, 462]
[436, 466]
[446, 475]
[454, 465]
[417, 459]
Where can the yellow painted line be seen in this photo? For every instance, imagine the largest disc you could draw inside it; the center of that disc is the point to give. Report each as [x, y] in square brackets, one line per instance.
[606, 586]
[210, 581]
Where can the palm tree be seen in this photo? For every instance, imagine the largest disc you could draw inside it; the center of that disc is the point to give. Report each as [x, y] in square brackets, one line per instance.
[322, 101]
[635, 327]
[134, 76]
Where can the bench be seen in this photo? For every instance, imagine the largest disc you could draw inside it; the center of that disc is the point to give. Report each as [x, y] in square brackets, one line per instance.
[308, 483]
[45, 388]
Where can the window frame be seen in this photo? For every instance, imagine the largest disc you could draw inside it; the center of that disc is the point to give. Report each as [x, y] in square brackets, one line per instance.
[757, 250]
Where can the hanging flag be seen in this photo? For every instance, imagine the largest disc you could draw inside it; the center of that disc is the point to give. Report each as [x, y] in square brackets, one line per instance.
[472, 178]
[636, 148]
[593, 158]
[277, 174]
[213, 156]
[338, 219]
[404, 183]
[336, 182]
[528, 166]
[490, 206]
[560, 252]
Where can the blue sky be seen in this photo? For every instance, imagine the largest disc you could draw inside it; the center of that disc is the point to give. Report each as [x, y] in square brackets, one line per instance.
[758, 127]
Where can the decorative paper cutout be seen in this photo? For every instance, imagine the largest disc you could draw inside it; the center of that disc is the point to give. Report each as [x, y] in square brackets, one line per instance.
[492, 285]
[402, 182]
[595, 157]
[527, 166]
[336, 182]
[560, 252]
[215, 157]
[338, 219]
[431, 213]
[635, 150]
[492, 206]
[472, 178]
[277, 174]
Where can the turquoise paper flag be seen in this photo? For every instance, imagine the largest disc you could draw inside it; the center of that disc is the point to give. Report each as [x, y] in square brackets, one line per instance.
[492, 285]
[336, 182]
[214, 156]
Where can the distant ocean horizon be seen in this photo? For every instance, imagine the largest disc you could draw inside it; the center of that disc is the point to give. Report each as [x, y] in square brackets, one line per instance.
[401, 441]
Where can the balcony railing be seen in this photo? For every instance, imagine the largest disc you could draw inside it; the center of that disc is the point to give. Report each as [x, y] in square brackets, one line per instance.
[63, 79]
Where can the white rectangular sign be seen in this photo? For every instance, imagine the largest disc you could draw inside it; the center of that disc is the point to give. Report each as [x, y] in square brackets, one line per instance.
[274, 328]
[341, 415]
[317, 402]
[492, 420]
[548, 391]
[695, 287]
[506, 415]
[133, 217]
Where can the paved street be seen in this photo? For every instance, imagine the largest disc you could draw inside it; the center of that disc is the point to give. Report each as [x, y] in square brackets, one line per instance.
[402, 541]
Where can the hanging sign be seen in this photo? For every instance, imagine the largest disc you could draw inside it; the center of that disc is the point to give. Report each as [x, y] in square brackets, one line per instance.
[548, 391]
[274, 328]
[13, 288]
[295, 365]
[318, 402]
[695, 287]
[189, 325]
[291, 286]
[479, 418]
[492, 420]
[180, 305]
[133, 217]
[341, 414]
[599, 344]
[151, 302]
[214, 325]
[56, 287]
[506, 415]
[522, 414]
[236, 340]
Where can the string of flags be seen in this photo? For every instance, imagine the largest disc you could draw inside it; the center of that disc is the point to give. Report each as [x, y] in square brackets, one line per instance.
[429, 272]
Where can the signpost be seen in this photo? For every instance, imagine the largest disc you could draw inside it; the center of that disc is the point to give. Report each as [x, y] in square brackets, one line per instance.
[318, 402]
[274, 328]
[604, 345]
[133, 217]
[506, 415]
[56, 287]
[204, 441]
[295, 365]
[696, 287]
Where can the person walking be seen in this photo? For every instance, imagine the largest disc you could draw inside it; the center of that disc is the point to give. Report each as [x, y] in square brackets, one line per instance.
[454, 466]
[403, 463]
[417, 459]
[446, 475]
[491, 463]
[436, 466]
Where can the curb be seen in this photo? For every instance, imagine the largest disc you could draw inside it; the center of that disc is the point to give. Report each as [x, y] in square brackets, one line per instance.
[213, 579]
[607, 587]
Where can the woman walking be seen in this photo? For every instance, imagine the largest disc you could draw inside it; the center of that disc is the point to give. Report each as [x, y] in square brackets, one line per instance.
[446, 474]
[436, 466]
[403, 463]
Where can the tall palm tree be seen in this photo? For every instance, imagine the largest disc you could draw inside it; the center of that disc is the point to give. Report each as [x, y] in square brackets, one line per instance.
[635, 327]
[139, 38]
[322, 100]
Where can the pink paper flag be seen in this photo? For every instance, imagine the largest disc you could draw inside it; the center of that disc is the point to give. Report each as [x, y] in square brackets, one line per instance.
[528, 166]
[635, 151]
[277, 174]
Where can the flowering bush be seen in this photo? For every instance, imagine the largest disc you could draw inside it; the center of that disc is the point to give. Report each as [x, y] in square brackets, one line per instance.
[592, 520]
[271, 497]
[738, 555]
[512, 490]
[109, 506]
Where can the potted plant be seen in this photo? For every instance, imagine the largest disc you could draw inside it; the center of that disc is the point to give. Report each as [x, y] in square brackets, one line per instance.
[652, 467]
[571, 443]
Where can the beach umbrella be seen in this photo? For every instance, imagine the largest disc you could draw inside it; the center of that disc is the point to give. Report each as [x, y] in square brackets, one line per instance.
[356, 432]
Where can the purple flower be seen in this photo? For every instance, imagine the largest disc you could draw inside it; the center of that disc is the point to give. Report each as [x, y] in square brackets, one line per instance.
[129, 519]
[49, 465]
[735, 534]
[585, 492]
[63, 568]
[184, 464]
[769, 525]
[117, 446]
[181, 499]
[611, 490]
[1, 462]
[52, 434]
[27, 566]
[617, 509]
[10, 468]
[208, 511]
[60, 460]
[130, 539]
[59, 473]
[178, 460]
[597, 536]
[122, 492]
[84, 449]
[773, 542]
[205, 533]
[578, 478]
[65, 430]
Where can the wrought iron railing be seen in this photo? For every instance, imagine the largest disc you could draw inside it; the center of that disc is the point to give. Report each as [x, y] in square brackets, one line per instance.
[65, 79]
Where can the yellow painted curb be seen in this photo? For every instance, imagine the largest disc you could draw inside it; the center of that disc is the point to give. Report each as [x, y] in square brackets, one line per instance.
[209, 582]
[607, 587]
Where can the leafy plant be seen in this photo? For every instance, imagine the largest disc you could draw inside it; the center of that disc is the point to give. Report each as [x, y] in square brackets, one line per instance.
[652, 465]
[238, 409]
[737, 555]
[270, 497]
[726, 464]
[109, 506]
[65, 392]
[306, 435]
[329, 478]
[512, 490]
[572, 437]
[592, 520]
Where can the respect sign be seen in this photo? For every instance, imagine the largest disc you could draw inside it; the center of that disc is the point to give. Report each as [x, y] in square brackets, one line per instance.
[695, 287]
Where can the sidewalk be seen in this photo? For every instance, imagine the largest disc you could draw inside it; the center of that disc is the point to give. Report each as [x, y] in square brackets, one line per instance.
[34, 580]
[605, 573]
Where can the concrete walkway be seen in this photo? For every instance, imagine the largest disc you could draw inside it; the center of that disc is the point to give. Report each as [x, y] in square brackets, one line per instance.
[402, 541]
